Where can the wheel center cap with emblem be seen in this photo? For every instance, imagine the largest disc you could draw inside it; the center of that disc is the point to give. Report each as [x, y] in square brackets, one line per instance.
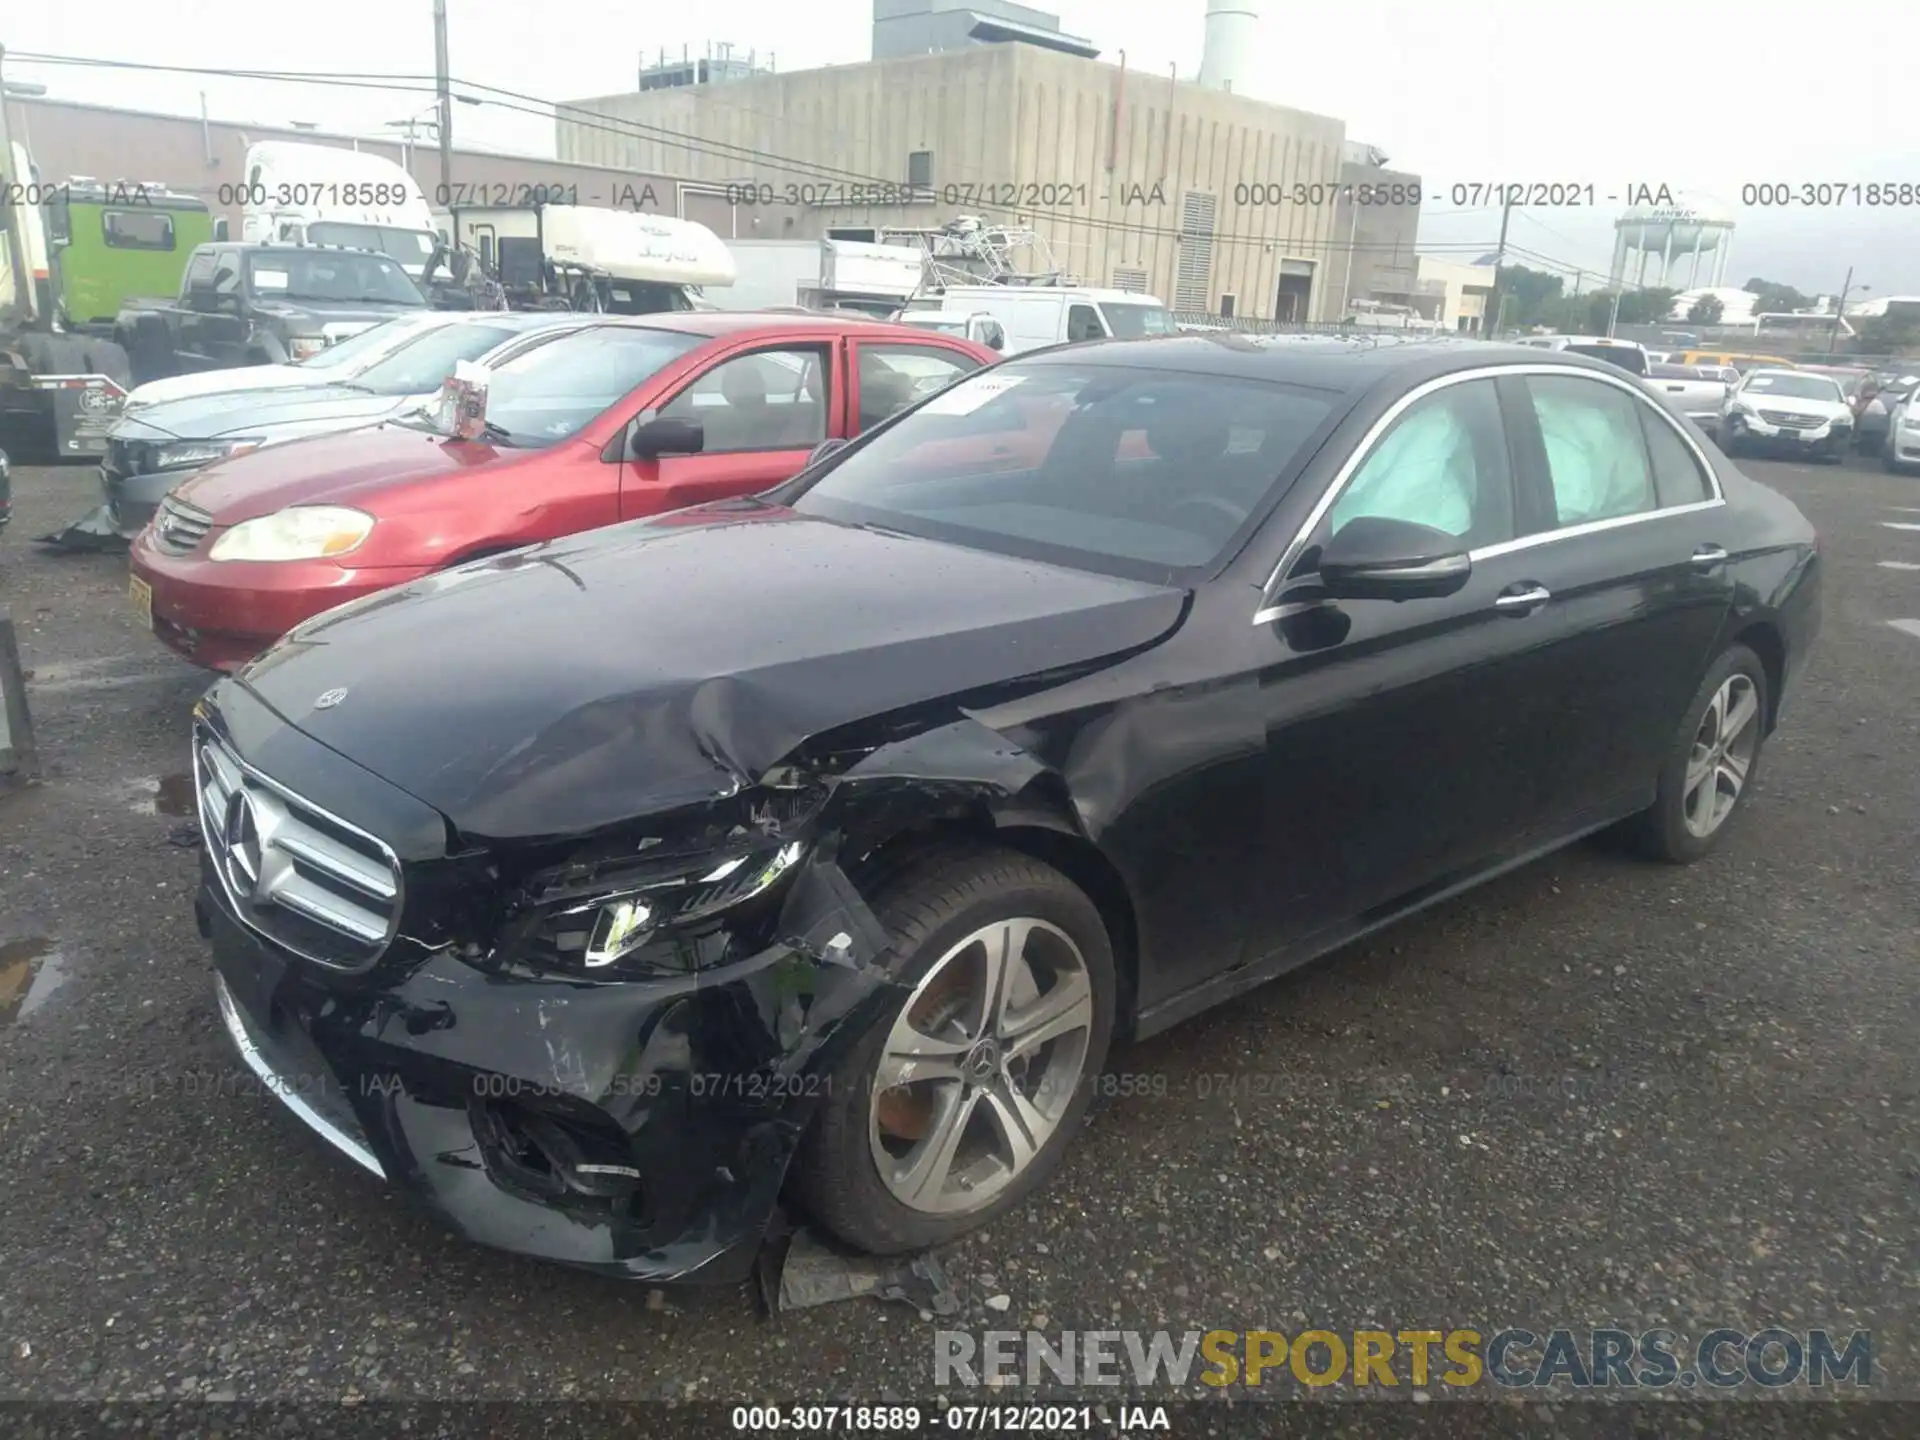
[981, 1064]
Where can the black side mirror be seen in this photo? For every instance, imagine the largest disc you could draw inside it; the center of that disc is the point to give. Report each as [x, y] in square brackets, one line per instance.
[823, 450]
[1373, 558]
[666, 435]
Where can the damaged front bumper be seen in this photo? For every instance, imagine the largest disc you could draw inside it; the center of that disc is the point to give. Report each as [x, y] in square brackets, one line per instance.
[636, 1128]
[640, 1126]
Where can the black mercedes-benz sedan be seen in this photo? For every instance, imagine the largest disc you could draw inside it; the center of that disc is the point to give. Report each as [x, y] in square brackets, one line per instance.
[818, 847]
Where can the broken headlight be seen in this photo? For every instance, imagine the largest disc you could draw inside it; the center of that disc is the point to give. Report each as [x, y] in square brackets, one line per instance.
[592, 934]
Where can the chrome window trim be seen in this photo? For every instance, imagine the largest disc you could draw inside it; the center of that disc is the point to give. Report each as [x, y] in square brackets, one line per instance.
[1267, 613]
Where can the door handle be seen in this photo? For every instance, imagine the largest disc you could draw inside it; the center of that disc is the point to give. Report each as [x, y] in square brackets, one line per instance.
[1709, 557]
[1522, 599]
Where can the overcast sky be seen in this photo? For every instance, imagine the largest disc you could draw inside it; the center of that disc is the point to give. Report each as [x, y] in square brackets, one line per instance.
[1612, 94]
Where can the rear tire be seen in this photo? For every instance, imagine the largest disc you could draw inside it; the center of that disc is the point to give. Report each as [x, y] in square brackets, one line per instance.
[1713, 763]
[985, 1062]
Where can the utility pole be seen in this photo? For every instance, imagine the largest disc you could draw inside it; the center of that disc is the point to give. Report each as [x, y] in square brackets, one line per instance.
[442, 87]
[1613, 317]
[1833, 333]
[1496, 300]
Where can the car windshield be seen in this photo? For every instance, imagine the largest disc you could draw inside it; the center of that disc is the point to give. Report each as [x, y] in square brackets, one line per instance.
[1128, 320]
[1626, 357]
[340, 276]
[369, 345]
[1796, 387]
[552, 392]
[1107, 467]
[410, 247]
[424, 362]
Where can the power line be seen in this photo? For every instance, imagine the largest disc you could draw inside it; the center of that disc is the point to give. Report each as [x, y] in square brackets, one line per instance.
[522, 103]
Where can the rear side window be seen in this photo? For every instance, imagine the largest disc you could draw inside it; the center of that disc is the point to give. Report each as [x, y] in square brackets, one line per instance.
[1677, 476]
[1596, 455]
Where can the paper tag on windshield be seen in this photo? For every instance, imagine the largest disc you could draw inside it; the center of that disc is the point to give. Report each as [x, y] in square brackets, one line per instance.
[269, 279]
[463, 402]
[969, 395]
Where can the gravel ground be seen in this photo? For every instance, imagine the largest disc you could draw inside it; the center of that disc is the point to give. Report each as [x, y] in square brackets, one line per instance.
[1595, 1092]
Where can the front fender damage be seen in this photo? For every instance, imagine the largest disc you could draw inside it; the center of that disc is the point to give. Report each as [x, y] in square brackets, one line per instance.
[700, 1079]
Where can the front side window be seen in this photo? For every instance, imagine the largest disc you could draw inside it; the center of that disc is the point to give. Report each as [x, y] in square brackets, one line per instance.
[893, 377]
[1443, 464]
[554, 391]
[1596, 456]
[1083, 323]
[765, 400]
[137, 229]
[1111, 468]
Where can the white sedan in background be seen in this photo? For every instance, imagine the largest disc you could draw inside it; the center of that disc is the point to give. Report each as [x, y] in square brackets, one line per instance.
[1788, 411]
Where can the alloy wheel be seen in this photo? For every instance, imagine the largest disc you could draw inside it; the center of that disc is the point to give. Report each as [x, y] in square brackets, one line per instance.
[981, 1066]
[1722, 755]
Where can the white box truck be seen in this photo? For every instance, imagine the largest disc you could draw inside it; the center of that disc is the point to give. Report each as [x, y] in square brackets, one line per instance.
[824, 275]
[591, 258]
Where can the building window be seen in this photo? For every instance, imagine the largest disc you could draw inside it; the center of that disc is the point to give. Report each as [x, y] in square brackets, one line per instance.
[1226, 307]
[920, 168]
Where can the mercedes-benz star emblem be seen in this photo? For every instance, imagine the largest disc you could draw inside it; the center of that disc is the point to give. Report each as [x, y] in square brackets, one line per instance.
[330, 698]
[243, 844]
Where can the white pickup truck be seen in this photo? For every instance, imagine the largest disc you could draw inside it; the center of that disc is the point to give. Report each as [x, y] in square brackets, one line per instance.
[1698, 392]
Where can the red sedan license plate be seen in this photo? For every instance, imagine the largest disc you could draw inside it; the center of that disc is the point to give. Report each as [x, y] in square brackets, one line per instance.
[141, 594]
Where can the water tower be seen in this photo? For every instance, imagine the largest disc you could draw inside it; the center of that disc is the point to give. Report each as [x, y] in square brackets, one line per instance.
[1687, 231]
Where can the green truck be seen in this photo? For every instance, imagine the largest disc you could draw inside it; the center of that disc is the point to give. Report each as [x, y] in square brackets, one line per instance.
[71, 253]
[112, 241]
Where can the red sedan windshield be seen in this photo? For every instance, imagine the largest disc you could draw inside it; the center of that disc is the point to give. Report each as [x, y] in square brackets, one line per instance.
[554, 391]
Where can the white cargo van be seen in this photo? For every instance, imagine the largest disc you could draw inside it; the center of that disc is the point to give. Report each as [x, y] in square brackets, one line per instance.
[1036, 315]
[323, 195]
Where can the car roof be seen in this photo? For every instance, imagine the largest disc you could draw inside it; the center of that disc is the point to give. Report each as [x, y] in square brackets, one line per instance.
[1339, 363]
[718, 324]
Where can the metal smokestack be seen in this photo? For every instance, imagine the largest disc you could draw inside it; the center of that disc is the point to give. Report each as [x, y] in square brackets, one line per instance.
[1226, 63]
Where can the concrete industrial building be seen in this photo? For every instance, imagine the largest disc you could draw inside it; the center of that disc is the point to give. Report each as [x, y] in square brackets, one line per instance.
[1208, 198]
[926, 27]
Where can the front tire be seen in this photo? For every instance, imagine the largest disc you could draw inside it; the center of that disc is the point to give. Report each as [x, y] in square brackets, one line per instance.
[1736, 440]
[962, 1099]
[1713, 763]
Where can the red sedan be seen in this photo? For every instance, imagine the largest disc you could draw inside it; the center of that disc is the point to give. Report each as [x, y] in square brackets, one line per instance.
[624, 419]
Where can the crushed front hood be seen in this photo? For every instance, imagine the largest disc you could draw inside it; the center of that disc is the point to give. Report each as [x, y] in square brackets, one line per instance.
[581, 683]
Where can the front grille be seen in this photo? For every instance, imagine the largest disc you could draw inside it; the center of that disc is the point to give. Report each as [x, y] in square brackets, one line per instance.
[301, 877]
[1791, 420]
[179, 527]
